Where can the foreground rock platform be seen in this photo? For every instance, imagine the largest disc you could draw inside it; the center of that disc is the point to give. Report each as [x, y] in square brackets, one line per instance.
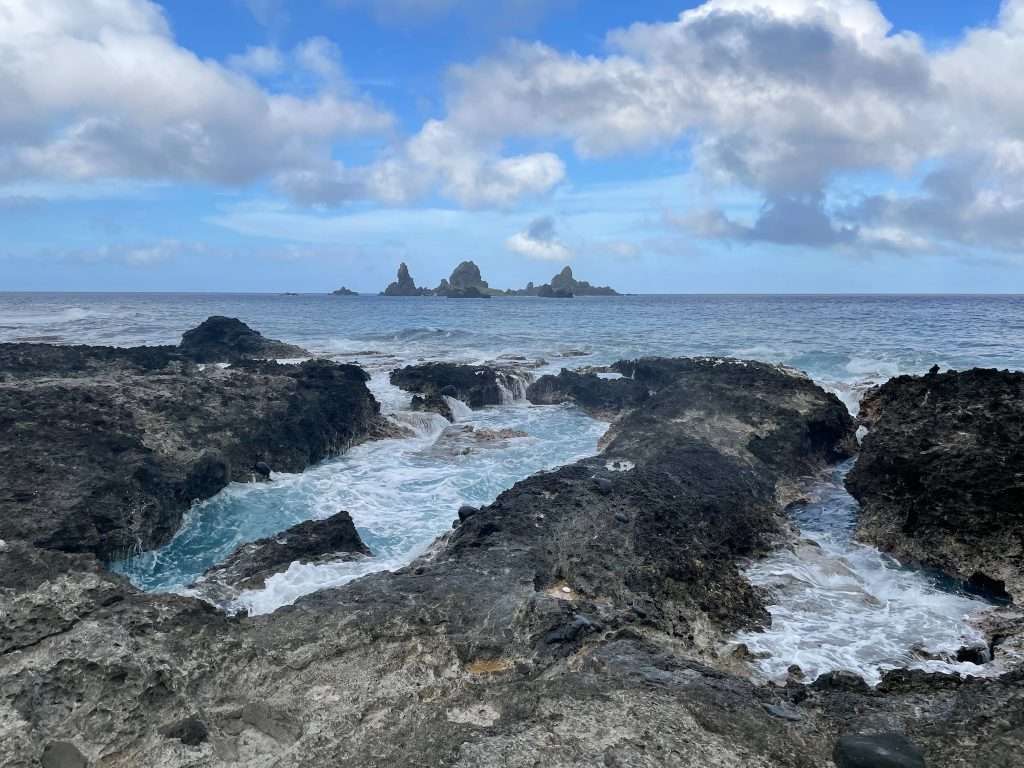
[578, 620]
[940, 477]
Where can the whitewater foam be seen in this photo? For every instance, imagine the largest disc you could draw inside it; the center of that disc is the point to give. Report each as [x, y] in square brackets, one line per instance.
[840, 605]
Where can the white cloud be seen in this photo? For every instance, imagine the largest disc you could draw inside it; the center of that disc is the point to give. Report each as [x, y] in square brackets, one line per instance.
[99, 89]
[782, 98]
[539, 241]
[258, 60]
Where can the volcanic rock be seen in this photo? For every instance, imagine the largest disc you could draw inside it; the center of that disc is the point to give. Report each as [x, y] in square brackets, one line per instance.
[405, 285]
[249, 566]
[940, 478]
[227, 339]
[602, 398]
[102, 455]
[477, 386]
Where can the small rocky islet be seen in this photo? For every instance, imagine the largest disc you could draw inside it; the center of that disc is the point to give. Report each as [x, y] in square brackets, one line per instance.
[581, 619]
[466, 282]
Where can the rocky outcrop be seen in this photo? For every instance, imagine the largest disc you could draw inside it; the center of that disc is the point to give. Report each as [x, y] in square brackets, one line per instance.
[102, 451]
[576, 621]
[227, 339]
[405, 285]
[343, 291]
[565, 283]
[940, 477]
[466, 293]
[600, 397]
[313, 541]
[477, 386]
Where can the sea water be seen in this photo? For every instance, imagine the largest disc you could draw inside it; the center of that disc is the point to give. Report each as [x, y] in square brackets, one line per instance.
[836, 604]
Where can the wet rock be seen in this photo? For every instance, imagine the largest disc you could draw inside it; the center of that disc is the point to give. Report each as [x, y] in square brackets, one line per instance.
[227, 339]
[63, 754]
[883, 750]
[191, 731]
[102, 455]
[433, 403]
[446, 661]
[466, 512]
[477, 386]
[249, 566]
[840, 681]
[262, 469]
[602, 398]
[934, 479]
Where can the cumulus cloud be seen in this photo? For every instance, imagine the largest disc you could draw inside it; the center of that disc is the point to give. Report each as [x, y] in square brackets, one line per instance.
[99, 88]
[781, 99]
[539, 241]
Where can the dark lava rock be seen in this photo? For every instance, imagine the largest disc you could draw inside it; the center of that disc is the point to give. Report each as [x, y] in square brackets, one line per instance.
[405, 285]
[466, 512]
[882, 750]
[249, 566]
[602, 398]
[63, 754]
[547, 292]
[565, 283]
[477, 386]
[343, 291]
[466, 293]
[433, 403]
[939, 476]
[226, 339]
[540, 632]
[106, 458]
[839, 681]
[190, 731]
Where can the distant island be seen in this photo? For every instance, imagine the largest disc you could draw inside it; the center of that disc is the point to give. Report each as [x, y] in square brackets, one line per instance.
[466, 282]
[343, 291]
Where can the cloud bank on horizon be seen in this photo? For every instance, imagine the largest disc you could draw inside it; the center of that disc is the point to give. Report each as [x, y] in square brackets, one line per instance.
[786, 124]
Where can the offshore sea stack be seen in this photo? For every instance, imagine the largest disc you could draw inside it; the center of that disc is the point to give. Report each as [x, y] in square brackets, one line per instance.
[940, 477]
[405, 285]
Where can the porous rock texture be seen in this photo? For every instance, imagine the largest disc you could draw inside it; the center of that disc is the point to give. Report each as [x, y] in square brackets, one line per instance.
[249, 566]
[475, 385]
[940, 477]
[103, 450]
[577, 621]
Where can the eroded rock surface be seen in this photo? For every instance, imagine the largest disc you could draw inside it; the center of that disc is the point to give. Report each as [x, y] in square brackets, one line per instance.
[940, 477]
[104, 450]
[249, 566]
[601, 398]
[475, 385]
[227, 339]
[577, 621]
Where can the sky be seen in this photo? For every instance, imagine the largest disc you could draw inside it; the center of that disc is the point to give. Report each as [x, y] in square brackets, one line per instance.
[735, 146]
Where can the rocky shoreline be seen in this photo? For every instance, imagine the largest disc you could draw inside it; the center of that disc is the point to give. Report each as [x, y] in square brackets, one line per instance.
[581, 619]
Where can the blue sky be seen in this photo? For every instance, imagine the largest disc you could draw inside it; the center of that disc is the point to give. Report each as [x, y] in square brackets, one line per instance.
[724, 146]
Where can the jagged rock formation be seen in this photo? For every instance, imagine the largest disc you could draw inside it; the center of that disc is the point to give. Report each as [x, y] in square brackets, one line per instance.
[465, 283]
[343, 291]
[249, 566]
[477, 386]
[564, 286]
[104, 450]
[405, 285]
[547, 292]
[940, 477]
[576, 621]
[226, 339]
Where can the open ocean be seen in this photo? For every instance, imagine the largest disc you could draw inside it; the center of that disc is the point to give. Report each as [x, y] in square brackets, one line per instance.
[402, 494]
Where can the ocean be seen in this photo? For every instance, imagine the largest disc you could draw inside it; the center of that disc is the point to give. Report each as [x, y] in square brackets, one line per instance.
[403, 493]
